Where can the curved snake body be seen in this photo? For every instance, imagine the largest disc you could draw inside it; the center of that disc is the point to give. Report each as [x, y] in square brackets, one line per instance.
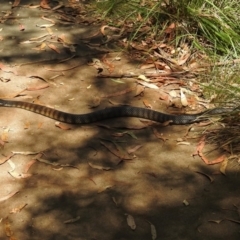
[113, 112]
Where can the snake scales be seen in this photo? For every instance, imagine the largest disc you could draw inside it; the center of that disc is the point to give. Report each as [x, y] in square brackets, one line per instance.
[113, 112]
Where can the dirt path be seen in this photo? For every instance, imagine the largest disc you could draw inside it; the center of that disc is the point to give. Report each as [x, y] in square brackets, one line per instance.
[68, 184]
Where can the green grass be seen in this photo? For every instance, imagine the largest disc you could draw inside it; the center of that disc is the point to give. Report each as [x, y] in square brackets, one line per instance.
[210, 25]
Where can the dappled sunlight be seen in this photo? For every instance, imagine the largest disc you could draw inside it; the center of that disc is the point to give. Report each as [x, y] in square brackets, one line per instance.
[87, 181]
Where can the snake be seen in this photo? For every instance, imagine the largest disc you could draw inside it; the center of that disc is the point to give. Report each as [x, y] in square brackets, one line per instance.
[113, 112]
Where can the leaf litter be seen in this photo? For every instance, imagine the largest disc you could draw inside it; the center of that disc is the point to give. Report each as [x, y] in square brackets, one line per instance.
[172, 68]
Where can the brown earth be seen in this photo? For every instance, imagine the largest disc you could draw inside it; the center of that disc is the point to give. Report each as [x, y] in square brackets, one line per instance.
[90, 193]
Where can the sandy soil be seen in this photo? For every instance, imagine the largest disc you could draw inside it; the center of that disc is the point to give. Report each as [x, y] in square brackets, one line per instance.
[76, 188]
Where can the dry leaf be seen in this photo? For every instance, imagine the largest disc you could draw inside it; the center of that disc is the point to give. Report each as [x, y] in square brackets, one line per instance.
[28, 165]
[170, 28]
[45, 25]
[144, 78]
[149, 85]
[183, 143]
[184, 58]
[4, 135]
[139, 89]
[133, 149]
[95, 102]
[147, 104]
[99, 167]
[8, 196]
[183, 97]
[73, 220]
[18, 209]
[6, 158]
[206, 175]
[44, 4]
[34, 88]
[185, 202]
[131, 222]
[153, 232]
[53, 47]
[147, 66]
[55, 164]
[173, 93]
[21, 27]
[223, 166]
[233, 220]
[16, 3]
[26, 153]
[199, 152]
[7, 228]
[48, 19]
[120, 154]
[216, 221]
[63, 126]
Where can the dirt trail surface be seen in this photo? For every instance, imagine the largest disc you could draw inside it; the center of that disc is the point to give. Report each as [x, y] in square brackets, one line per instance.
[116, 179]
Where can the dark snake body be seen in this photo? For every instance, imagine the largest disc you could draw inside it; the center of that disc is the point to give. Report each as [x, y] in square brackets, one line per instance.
[113, 112]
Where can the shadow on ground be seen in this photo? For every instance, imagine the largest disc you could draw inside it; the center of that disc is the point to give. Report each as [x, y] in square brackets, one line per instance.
[161, 187]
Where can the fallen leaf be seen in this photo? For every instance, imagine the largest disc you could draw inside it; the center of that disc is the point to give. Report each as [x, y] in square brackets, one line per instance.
[183, 59]
[183, 97]
[44, 4]
[199, 152]
[8, 196]
[173, 93]
[34, 88]
[131, 134]
[147, 104]
[183, 143]
[131, 222]
[7, 69]
[25, 153]
[21, 27]
[206, 175]
[55, 164]
[147, 66]
[139, 90]
[117, 152]
[4, 135]
[95, 102]
[110, 66]
[6, 158]
[18, 209]
[7, 228]
[233, 220]
[159, 135]
[216, 221]
[53, 47]
[144, 78]
[118, 81]
[170, 28]
[73, 220]
[153, 232]
[16, 3]
[104, 188]
[98, 167]
[28, 165]
[149, 85]
[12, 164]
[45, 25]
[63, 126]
[185, 202]
[48, 19]
[223, 166]
[133, 149]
